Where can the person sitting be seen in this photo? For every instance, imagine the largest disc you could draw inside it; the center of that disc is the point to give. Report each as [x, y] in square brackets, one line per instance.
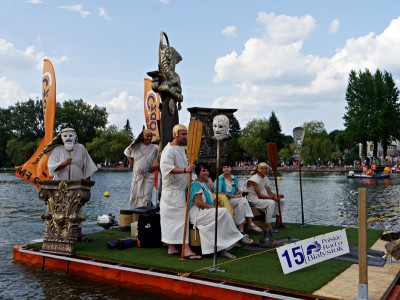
[202, 216]
[261, 196]
[223, 200]
[229, 186]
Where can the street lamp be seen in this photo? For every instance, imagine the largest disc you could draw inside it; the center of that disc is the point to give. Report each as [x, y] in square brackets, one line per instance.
[298, 136]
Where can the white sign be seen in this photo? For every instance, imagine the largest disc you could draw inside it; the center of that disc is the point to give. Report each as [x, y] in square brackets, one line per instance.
[308, 252]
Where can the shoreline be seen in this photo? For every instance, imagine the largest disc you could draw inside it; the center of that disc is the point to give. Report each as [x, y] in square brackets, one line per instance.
[236, 170]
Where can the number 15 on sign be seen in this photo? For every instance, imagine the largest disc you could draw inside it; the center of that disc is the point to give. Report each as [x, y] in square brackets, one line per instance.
[308, 252]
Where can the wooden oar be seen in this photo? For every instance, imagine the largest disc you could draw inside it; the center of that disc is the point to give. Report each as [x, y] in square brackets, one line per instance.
[272, 153]
[193, 149]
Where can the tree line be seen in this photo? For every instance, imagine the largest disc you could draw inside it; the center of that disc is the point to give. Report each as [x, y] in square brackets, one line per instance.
[22, 129]
[372, 114]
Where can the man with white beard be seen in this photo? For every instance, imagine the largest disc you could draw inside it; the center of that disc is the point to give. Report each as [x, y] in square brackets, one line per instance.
[70, 160]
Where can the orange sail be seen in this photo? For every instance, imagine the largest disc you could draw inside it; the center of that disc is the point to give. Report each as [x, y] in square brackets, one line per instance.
[152, 109]
[36, 167]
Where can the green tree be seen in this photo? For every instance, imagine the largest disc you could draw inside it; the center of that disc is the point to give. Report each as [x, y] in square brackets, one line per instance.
[287, 140]
[316, 145]
[274, 132]
[234, 150]
[388, 126]
[24, 126]
[372, 111]
[128, 128]
[84, 118]
[27, 119]
[20, 150]
[234, 128]
[286, 153]
[109, 144]
[25, 130]
[253, 139]
[360, 97]
[5, 135]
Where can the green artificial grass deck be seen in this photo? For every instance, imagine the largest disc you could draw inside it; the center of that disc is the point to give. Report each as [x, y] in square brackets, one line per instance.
[250, 267]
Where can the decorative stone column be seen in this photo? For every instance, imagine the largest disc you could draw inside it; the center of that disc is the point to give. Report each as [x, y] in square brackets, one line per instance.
[208, 147]
[64, 200]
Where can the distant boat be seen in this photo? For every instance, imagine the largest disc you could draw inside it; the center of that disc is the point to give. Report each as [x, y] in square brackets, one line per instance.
[373, 176]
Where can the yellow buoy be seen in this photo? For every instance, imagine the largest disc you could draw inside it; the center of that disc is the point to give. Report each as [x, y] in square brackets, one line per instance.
[106, 194]
[279, 178]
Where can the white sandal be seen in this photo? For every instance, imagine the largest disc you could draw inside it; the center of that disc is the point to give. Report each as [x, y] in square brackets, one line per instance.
[226, 254]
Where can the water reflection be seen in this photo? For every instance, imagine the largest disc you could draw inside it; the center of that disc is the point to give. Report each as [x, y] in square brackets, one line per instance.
[327, 200]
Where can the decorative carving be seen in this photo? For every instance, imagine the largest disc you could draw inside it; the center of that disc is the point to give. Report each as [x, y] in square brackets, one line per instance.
[64, 201]
[169, 83]
[208, 147]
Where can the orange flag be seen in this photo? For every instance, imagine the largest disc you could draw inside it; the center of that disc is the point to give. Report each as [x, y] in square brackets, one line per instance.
[36, 167]
[151, 109]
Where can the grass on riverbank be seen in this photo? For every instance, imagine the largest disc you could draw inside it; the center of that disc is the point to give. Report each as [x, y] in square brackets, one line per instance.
[251, 267]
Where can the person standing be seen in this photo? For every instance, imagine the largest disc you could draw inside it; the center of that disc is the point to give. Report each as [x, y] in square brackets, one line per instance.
[174, 173]
[228, 184]
[69, 160]
[142, 156]
[261, 196]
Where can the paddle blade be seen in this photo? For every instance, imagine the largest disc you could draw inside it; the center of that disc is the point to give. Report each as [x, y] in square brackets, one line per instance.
[194, 140]
[272, 154]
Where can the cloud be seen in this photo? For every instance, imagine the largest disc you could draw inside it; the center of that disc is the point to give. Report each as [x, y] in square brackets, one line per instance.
[103, 14]
[286, 29]
[12, 92]
[165, 1]
[121, 106]
[273, 73]
[34, 1]
[334, 26]
[76, 8]
[229, 31]
[12, 58]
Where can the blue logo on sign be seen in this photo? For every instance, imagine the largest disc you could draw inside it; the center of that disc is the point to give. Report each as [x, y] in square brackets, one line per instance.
[314, 247]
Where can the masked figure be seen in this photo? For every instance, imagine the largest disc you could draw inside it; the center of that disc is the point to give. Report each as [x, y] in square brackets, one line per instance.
[68, 159]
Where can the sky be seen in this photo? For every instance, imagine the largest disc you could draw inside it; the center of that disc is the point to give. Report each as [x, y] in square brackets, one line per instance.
[292, 57]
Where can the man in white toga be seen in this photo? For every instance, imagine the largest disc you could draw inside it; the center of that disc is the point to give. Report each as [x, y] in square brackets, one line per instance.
[175, 171]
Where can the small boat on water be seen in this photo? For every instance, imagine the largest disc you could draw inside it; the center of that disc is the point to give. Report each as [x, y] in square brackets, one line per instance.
[366, 176]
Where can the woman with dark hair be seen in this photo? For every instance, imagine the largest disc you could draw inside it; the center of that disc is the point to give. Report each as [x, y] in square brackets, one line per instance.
[228, 185]
[202, 215]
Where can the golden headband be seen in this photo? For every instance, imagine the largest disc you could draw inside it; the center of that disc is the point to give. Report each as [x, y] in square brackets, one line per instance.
[147, 131]
[260, 165]
[177, 127]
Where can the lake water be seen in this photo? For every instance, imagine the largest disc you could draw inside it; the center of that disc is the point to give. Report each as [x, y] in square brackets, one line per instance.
[328, 198]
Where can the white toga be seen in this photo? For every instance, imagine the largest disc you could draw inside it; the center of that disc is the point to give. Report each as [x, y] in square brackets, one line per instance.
[204, 221]
[82, 165]
[142, 180]
[269, 206]
[173, 196]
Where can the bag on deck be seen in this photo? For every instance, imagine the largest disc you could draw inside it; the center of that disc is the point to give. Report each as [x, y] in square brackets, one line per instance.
[149, 231]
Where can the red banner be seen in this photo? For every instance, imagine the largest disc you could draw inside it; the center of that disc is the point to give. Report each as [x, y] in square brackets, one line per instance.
[36, 167]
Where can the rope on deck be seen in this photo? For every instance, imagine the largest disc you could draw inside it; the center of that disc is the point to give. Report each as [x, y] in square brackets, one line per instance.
[227, 262]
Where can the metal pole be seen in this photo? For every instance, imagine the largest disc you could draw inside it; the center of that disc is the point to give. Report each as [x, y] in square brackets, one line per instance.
[301, 195]
[215, 268]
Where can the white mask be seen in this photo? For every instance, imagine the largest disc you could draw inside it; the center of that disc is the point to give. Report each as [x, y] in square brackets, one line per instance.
[220, 127]
[68, 138]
